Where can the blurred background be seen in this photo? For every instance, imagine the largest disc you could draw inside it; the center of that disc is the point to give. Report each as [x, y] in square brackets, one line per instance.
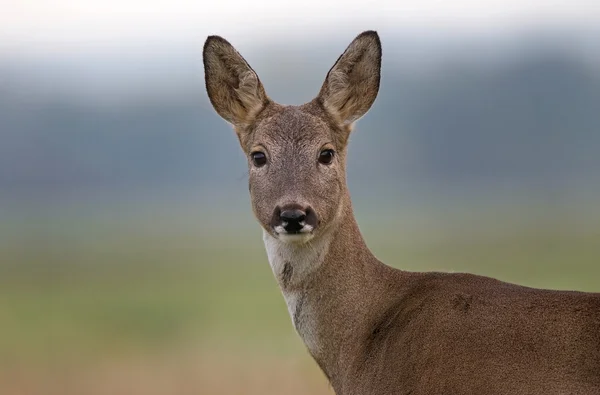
[130, 262]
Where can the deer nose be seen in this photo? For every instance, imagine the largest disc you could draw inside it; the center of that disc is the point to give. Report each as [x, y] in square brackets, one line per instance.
[292, 220]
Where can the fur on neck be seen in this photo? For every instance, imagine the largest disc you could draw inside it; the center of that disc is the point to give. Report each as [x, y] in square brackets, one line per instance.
[293, 266]
[292, 263]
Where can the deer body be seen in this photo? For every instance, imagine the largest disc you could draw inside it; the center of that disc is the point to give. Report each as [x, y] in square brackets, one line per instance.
[371, 328]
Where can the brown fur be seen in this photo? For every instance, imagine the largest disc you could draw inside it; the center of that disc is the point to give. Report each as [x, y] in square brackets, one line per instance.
[371, 328]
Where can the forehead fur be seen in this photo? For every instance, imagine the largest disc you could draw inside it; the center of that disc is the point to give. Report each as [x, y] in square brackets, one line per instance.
[297, 125]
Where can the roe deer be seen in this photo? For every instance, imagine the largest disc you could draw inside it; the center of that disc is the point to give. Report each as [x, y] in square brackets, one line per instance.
[371, 328]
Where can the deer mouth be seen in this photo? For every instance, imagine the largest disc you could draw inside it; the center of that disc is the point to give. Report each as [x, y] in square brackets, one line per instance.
[294, 235]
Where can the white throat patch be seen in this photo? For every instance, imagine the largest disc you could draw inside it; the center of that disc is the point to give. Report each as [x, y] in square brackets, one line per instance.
[292, 264]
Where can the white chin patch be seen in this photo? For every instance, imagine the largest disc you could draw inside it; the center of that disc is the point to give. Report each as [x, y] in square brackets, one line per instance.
[297, 238]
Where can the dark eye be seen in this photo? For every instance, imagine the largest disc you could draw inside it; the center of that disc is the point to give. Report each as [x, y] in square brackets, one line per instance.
[258, 158]
[326, 156]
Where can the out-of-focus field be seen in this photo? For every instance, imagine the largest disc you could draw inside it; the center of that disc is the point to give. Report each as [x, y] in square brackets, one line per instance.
[130, 263]
[107, 311]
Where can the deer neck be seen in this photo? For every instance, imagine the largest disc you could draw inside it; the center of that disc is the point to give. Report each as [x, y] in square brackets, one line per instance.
[327, 285]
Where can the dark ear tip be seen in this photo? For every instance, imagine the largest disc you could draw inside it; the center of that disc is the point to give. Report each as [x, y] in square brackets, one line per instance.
[370, 35]
[212, 41]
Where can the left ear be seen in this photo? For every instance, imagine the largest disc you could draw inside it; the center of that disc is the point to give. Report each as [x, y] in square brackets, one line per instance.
[233, 87]
[352, 83]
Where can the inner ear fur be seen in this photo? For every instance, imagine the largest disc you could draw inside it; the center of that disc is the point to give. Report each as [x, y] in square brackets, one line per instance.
[352, 84]
[233, 87]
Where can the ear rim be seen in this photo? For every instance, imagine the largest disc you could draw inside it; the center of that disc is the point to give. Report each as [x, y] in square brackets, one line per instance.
[370, 34]
[211, 40]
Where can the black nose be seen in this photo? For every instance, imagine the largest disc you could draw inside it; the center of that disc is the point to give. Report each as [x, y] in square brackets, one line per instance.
[291, 220]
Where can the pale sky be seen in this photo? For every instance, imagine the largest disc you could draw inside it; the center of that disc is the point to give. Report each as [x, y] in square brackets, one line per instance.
[74, 22]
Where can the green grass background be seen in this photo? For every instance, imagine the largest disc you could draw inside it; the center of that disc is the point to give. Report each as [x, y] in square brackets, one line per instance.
[79, 296]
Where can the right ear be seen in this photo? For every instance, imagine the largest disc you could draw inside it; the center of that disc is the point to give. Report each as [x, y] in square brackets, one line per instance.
[352, 83]
[233, 87]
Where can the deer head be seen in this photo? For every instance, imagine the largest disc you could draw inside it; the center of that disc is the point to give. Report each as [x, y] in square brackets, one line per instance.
[296, 154]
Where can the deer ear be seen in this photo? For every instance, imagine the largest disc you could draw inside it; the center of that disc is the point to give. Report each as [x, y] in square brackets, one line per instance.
[352, 83]
[233, 87]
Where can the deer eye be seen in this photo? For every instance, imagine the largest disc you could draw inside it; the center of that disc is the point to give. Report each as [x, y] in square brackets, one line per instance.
[258, 158]
[326, 156]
